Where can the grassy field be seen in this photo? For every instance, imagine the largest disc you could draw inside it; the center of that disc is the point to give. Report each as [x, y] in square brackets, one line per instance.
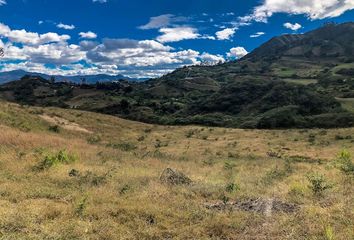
[68, 174]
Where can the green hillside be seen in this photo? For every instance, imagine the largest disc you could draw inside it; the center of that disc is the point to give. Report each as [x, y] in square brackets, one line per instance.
[291, 81]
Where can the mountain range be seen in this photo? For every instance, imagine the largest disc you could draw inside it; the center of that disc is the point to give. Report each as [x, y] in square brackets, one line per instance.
[17, 74]
[299, 80]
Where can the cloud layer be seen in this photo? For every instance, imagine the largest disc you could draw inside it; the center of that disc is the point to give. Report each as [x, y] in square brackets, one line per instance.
[137, 58]
[313, 9]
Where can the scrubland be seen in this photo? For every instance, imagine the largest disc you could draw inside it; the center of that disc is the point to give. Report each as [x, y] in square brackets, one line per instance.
[67, 174]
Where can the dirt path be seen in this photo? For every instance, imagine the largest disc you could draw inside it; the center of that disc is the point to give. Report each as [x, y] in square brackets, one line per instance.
[63, 123]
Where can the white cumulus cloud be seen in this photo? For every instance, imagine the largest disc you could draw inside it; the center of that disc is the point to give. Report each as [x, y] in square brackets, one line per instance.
[65, 26]
[225, 34]
[313, 9]
[237, 52]
[257, 34]
[88, 35]
[211, 58]
[177, 34]
[25, 37]
[294, 27]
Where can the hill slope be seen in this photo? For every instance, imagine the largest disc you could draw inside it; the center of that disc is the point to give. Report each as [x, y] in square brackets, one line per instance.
[290, 81]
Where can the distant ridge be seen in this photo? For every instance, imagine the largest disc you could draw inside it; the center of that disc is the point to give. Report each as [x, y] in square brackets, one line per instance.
[18, 74]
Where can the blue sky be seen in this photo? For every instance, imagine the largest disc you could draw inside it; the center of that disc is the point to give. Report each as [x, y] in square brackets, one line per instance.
[141, 38]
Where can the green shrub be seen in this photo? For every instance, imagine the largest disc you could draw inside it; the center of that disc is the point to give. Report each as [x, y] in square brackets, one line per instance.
[81, 206]
[318, 183]
[54, 128]
[94, 139]
[345, 163]
[50, 160]
[232, 187]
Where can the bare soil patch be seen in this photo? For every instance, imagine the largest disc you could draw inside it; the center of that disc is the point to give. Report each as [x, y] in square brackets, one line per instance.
[64, 123]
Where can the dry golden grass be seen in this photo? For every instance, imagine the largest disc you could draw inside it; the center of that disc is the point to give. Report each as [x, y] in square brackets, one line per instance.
[118, 194]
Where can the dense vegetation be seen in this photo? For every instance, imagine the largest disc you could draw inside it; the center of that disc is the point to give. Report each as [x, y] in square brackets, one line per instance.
[291, 81]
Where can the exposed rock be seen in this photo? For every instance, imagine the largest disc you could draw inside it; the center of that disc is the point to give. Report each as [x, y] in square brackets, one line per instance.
[74, 173]
[258, 205]
[174, 177]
